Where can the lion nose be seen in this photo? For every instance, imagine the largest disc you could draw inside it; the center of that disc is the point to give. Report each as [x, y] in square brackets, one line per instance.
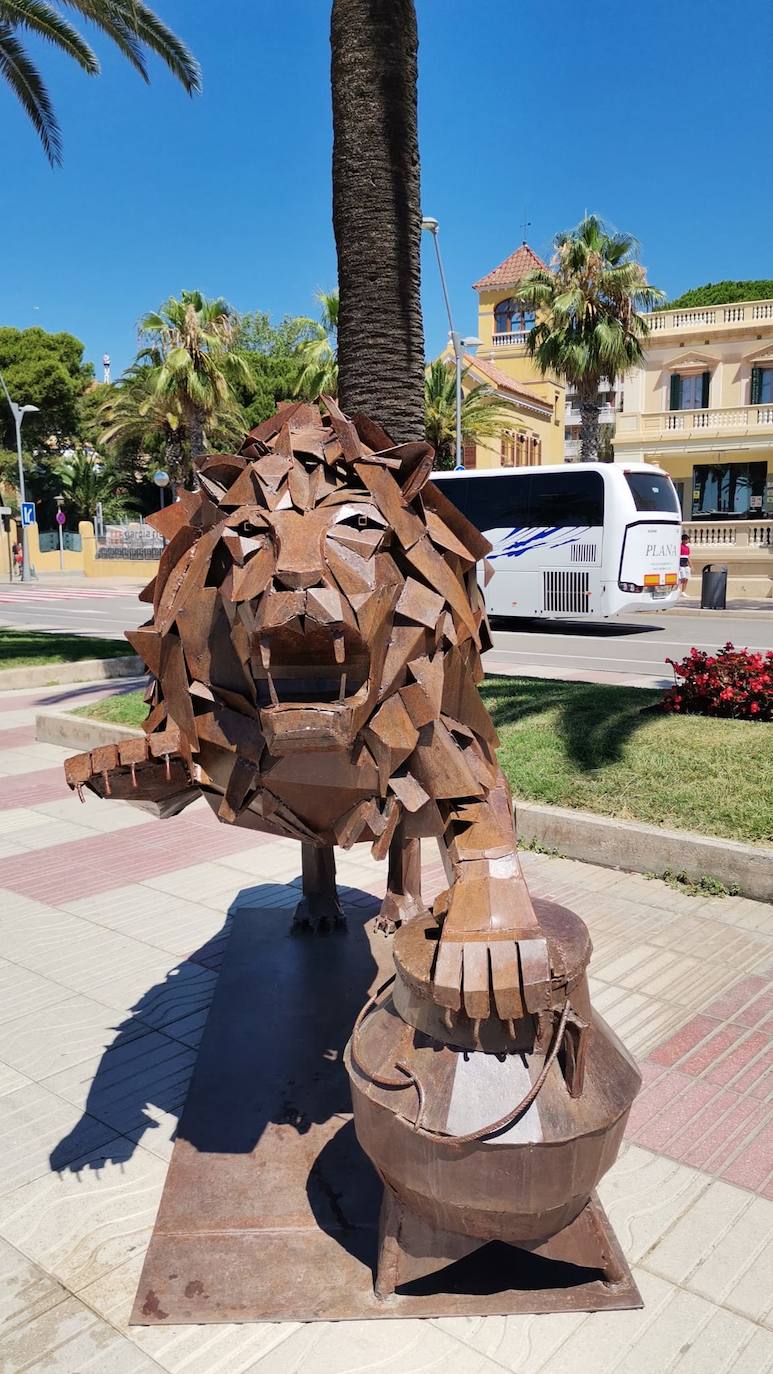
[297, 579]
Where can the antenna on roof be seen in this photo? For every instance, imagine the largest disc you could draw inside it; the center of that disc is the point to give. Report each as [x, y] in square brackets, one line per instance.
[525, 223]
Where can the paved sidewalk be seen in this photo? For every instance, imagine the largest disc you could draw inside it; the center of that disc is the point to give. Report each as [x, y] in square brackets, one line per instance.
[112, 927]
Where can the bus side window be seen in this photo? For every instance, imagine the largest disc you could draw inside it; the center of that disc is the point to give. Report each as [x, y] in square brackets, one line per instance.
[566, 499]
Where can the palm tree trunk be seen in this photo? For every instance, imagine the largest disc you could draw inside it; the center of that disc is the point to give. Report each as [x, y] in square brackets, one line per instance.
[377, 212]
[589, 425]
[197, 439]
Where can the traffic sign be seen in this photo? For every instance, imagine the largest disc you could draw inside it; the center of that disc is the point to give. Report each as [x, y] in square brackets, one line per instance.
[28, 512]
[61, 518]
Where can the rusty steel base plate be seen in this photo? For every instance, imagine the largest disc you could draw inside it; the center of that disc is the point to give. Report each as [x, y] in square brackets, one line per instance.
[270, 1210]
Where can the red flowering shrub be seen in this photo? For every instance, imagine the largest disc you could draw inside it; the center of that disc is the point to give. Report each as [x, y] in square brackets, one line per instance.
[732, 682]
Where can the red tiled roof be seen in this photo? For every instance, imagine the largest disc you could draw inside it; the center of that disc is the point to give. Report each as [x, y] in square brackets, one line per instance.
[519, 264]
[502, 382]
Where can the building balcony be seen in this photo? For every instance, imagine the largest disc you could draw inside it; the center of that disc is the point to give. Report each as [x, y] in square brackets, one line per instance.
[571, 450]
[607, 415]
[516, 339]
[756, 536]
[717, 318]
[692, 426]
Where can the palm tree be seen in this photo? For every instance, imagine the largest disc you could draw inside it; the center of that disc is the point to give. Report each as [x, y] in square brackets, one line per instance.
[484, 415]
[133, 415]
[129, 23]
[317, 357]
[377, 212]
[192, 351]
[86, 481]
[588, 322]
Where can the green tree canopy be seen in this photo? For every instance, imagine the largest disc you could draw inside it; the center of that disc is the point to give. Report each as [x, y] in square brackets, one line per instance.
[722, 293]
[317, 356]
[48, 371]
[270, 352]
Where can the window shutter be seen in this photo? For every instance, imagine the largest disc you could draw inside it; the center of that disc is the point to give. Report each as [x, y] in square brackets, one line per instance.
[705, 383]
[675, 398]
[756, 393]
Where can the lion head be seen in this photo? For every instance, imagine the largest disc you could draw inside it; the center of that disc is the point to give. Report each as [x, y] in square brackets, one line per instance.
[317, 597]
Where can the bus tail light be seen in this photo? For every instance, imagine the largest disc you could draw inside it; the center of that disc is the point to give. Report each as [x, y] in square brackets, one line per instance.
[670, 579]
[651, 580]
[630, 587]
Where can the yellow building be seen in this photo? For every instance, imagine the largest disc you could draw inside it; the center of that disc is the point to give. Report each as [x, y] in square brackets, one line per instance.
[701, 407]
[503, 324]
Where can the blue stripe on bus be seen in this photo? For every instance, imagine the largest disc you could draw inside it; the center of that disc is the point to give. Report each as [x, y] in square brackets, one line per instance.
[535, 540]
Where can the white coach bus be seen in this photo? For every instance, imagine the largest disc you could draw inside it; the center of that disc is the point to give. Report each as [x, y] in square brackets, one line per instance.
[589, 539]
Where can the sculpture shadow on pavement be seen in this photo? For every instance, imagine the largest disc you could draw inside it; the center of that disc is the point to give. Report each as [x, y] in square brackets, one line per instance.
[136, 1080]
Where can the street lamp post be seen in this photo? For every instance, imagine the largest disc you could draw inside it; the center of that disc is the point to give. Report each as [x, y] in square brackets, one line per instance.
[18, 413]
[458, 344]
[60, 519]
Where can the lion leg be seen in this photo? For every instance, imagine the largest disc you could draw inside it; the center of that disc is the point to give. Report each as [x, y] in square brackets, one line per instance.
[319, 910]
[403, 900]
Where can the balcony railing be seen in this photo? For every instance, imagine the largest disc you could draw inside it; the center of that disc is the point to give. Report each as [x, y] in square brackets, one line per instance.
[516, 339]
[573, 416]
[690, 423]
[739, 534]
[711, 317]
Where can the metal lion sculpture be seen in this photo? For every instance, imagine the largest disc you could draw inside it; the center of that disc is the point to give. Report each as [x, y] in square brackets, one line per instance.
[314, 655]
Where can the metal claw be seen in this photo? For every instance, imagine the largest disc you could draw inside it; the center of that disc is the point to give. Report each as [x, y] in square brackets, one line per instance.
[133, 770]
[106, 781]
[79, 790]
[167, 767]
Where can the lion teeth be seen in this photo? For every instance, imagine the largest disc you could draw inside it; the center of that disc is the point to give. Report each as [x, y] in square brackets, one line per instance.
[342, 687]
[265, 653]
[339, 648]
[271, 687]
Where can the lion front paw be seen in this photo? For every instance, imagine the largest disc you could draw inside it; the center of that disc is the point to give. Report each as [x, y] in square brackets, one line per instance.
[397, 909]
[318, 915]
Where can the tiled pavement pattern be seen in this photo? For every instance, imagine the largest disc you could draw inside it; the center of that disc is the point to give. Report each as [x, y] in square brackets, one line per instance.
[109, 946]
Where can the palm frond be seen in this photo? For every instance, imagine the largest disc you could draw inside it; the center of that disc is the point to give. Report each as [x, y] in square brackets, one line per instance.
[41, 18]
[27, 85]
[131, 24]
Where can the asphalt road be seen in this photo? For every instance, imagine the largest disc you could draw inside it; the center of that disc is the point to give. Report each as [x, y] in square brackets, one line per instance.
[629, 650]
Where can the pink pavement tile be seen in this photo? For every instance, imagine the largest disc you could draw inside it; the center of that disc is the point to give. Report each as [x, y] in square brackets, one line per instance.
[757, 1012]
[753, 1165]
[724, 1038]
[652, 1100]
[747, 1050]
[683, 1041]
[17, 737]
[82, 868]
[30, 789]
[733, 1000]
[659, 1133]
[710, 1143]
[758, 1078]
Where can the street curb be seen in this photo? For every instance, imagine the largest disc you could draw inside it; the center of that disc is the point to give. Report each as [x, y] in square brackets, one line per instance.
[79, 732]
[697, 613]
[85, 670]
[629, 845]
[639, 848]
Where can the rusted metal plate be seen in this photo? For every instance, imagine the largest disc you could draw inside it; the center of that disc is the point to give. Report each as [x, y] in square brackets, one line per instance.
[270, 1210]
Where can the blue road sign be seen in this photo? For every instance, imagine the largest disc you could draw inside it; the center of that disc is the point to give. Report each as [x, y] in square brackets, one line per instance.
[28, 512]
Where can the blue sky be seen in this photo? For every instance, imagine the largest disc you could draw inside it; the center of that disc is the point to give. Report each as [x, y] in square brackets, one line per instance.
[656, 116]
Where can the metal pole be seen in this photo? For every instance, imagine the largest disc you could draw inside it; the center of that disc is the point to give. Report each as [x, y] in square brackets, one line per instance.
[18, 415]
[61, 550]
[25, 567]
[456, 343]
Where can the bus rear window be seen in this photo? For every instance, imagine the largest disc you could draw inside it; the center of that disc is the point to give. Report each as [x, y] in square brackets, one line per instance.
[652, 491]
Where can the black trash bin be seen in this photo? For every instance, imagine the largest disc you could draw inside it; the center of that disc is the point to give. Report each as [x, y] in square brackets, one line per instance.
[713, 588]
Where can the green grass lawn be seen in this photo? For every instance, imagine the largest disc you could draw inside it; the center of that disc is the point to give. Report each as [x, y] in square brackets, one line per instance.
[30, 648]
[600, 749]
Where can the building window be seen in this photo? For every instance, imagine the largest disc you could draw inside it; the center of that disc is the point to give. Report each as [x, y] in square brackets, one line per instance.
[469, 454]
[512, 317]
[689, 390]
[762, 386]
[728, 489]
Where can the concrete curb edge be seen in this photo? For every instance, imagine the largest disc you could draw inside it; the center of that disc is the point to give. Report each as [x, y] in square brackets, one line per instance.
[58, 674]
[628, 845]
